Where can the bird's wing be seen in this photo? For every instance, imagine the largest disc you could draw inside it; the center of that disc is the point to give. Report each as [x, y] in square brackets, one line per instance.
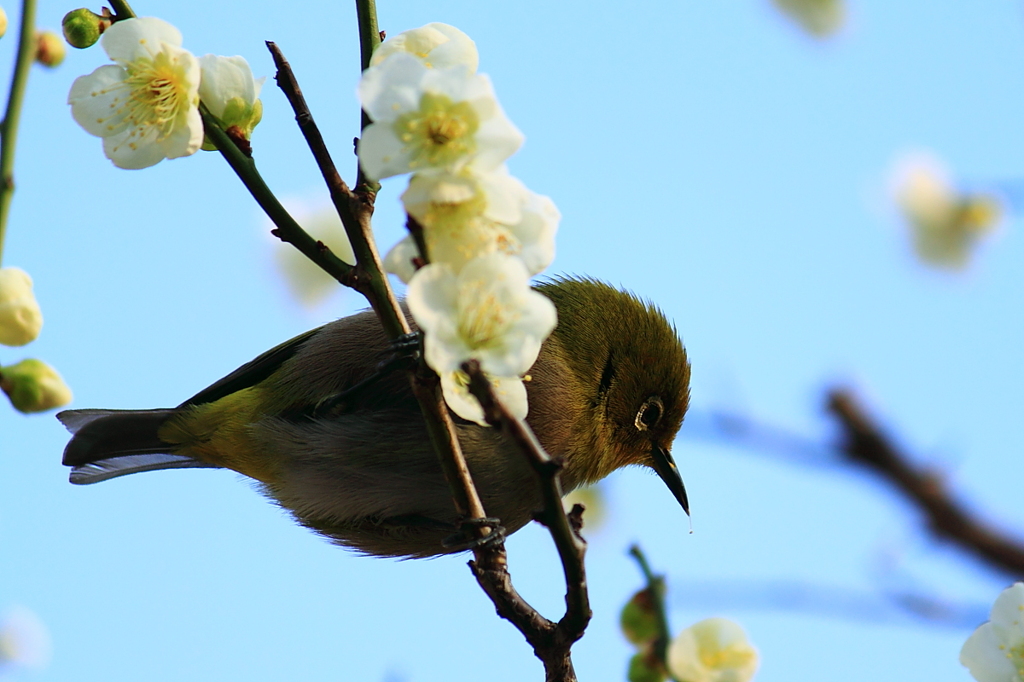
[252, 372]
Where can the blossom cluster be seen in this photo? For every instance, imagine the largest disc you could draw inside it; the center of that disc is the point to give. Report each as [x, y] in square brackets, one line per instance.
[145, 105]
[485, 234]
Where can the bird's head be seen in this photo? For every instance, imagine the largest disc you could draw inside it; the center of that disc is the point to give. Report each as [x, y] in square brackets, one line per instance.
[633, 375]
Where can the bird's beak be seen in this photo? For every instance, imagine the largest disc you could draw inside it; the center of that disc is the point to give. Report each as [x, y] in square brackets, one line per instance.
[666, 468]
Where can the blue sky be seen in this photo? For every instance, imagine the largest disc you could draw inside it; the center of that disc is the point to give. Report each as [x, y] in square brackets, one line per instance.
[708, 156]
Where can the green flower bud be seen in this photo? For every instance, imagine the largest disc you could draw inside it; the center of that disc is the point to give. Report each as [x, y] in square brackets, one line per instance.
[639, 619]
[34, 386]
[83, 27]
[644, 667]
[50, 50]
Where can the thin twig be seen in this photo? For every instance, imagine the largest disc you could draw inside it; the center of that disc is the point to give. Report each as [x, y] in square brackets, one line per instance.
[9, 126]
[287, 229]
[864, 443]
[552, 642]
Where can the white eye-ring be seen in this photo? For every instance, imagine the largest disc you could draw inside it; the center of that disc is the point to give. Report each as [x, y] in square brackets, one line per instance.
[649, 413]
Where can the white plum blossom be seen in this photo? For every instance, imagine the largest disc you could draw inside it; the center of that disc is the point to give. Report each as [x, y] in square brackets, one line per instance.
[487, 311]
[470, 215]
[509, 390]
[995, 651]
[445, 198]
[20, 316]
[713, 650]
[145, 106]
[437, 45]
[431, 119]
[231, 93]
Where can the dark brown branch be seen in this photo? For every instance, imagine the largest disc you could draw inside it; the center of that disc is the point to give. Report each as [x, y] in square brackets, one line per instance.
[552, 642]
[864, 443]
[356, 210]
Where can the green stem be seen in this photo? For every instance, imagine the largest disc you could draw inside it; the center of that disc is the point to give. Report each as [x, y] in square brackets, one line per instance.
[9, 126]
[122, 10]
[369, 33]
[656, 586]
[287, 229]
[369, 39]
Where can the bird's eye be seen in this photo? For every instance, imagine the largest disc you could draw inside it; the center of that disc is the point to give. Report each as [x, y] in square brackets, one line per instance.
[649, 413]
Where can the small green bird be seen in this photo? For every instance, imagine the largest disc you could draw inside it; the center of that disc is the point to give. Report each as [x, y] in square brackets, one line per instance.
[609, 389]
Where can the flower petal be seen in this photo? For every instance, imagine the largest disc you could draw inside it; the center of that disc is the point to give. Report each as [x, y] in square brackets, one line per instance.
[983, 655]
[97, 101]
[398, 260]
[131, 39]
[380, 153]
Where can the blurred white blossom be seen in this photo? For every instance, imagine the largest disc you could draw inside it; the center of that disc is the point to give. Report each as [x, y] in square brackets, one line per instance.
[437, 45]
[231, 93]
[20, 316]
[995, 651]
[713, 650]
[145, 106]
[945, 224]
[431, 119]
[24, 640]
[306, 281]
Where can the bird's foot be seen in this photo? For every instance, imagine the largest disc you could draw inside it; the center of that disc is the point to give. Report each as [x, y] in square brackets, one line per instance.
[466, 538]
[407, 345]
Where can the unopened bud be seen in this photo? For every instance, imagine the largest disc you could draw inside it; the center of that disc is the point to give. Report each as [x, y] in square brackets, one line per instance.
[20, 316]
[50, 50]
[645, 667]
[83, 27]
[3, 22]
[639, 618]
[34, 386]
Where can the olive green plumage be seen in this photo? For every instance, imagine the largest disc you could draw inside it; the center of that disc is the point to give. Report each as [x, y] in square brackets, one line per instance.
[609, 389]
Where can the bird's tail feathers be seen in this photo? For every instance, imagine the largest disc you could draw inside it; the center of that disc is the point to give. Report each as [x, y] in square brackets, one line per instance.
[105, 469]
[112, 443]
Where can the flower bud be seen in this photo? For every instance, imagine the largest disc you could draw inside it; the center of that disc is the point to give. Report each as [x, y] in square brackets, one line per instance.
[3, 22]
[644, 667]
[34, 386]
[231, 93]
[83, 27]
[20, 316]
[50, 50]
[639, 617]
